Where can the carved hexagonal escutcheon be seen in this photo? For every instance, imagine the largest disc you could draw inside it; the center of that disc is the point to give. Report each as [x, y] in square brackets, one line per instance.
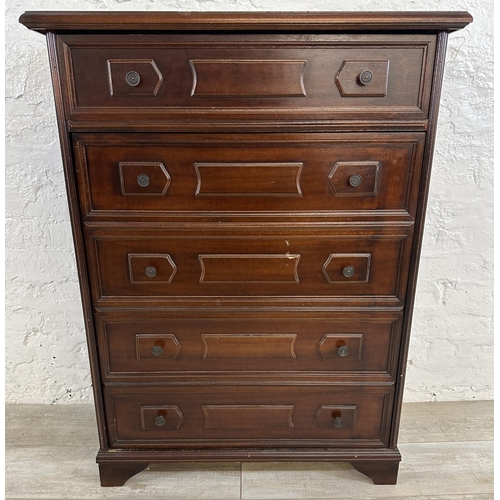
[347, 268]
[143, 178]
[134, 78]
[338, 346]
[161, 417]
[352, 80]
[336, 417]
[157, 346]
[354, 178]
[151, 268]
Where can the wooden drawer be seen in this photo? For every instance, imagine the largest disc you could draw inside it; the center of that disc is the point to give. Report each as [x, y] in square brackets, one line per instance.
[158, 417]
[163, 267]
[144, 346]
[248, 173]
[240, 78]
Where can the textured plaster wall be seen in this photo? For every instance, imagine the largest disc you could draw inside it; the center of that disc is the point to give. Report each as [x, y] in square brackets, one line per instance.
[452, 340]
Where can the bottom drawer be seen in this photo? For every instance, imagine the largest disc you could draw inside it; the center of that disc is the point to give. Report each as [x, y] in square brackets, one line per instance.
[248, 416]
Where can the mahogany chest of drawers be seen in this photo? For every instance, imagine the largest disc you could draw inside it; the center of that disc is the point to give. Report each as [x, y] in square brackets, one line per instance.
[247, 196]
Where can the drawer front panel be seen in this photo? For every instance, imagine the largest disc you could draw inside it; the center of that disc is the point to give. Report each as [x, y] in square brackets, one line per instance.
[176, 77]
[139, 346]
[276, 416]
[164, 267]
[258, 173]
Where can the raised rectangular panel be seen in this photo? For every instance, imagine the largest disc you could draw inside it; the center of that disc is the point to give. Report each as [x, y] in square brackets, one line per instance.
[249, 346]
[248, 179]
[248, 416]
[247, 78]
[231, 268]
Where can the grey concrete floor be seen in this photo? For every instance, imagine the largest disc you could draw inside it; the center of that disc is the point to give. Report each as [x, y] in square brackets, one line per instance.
[447, 453]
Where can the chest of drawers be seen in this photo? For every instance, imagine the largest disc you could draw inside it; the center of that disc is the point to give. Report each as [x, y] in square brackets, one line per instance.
[247, 196]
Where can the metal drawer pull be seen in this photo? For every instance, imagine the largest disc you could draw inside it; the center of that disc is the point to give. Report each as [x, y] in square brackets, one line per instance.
[159, 421]
[365, 77]
[343, 351]
[150, 271]
[143, 180]
[133, 78]
[157, 350]
[348, 271]
[355, 180]
[338, 422]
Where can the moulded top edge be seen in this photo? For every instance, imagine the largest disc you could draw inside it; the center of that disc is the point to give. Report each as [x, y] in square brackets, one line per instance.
[48, 21]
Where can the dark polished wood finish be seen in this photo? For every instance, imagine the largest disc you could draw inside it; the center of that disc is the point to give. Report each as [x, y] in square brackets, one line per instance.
[211, 347]
[259, 77]
[385, 472]
[119, 473]
[280, 173]
[247, 195]
[44, 21]
[273, 416]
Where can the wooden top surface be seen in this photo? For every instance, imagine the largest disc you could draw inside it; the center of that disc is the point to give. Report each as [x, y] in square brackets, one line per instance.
[245, 21]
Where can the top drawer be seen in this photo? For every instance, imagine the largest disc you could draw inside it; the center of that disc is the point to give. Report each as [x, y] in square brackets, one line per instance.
[233, 80]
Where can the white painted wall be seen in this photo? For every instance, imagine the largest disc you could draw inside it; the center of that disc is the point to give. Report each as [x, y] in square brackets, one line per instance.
[451, 356]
